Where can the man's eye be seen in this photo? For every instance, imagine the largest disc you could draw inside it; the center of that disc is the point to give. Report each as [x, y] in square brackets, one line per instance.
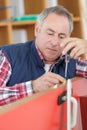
[62, 37]
[50, 33]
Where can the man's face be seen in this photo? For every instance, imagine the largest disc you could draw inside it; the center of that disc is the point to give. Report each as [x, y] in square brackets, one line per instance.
[50, 35]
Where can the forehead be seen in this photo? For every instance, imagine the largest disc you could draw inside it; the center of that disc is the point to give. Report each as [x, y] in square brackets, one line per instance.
[57, 22]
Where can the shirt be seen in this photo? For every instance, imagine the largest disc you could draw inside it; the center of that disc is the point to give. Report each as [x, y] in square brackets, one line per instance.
[9, 94]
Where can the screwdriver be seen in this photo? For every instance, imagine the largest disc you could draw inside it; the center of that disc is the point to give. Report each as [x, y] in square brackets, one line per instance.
[67, 59]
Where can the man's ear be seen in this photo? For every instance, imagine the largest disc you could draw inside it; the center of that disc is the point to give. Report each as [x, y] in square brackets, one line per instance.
[36, 28]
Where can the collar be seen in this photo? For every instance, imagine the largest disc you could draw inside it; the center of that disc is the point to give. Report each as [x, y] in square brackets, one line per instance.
[39, 52]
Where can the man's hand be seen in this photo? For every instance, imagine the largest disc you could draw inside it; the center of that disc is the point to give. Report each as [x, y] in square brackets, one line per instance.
[47, 80]
[77, 46]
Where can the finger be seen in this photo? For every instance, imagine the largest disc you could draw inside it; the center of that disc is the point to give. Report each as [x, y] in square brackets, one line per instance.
[67, 40]
[79, 53]
[68, 47]
[57, 77]
[74, 52]
[61, 79]
[45, 86]
[53, 80]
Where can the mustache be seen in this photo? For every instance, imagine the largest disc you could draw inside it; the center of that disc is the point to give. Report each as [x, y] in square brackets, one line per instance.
[55, 48]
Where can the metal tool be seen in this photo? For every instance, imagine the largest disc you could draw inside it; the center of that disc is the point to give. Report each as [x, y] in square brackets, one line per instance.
[67, 59]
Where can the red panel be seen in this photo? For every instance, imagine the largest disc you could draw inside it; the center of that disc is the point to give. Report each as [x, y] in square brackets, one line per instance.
[42, 113]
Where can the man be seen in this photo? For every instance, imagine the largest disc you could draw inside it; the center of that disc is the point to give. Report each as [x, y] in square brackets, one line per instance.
[34, 66]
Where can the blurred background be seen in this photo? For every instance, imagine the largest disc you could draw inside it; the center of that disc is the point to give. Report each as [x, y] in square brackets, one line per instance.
[17, 18]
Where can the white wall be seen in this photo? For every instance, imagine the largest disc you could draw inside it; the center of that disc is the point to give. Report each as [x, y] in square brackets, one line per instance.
[51, 3]
[84, 16]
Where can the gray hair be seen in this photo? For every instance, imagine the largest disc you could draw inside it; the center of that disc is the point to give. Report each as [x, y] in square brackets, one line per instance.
[59, 10]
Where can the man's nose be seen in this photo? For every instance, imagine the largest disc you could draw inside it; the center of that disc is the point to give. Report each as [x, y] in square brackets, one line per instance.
[56, 41]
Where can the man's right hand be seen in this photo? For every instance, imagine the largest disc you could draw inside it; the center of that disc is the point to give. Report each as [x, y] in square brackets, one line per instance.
[47, 80]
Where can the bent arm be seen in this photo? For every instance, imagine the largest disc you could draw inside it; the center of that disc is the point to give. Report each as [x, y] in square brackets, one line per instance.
[11, 93]
[81, 68]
